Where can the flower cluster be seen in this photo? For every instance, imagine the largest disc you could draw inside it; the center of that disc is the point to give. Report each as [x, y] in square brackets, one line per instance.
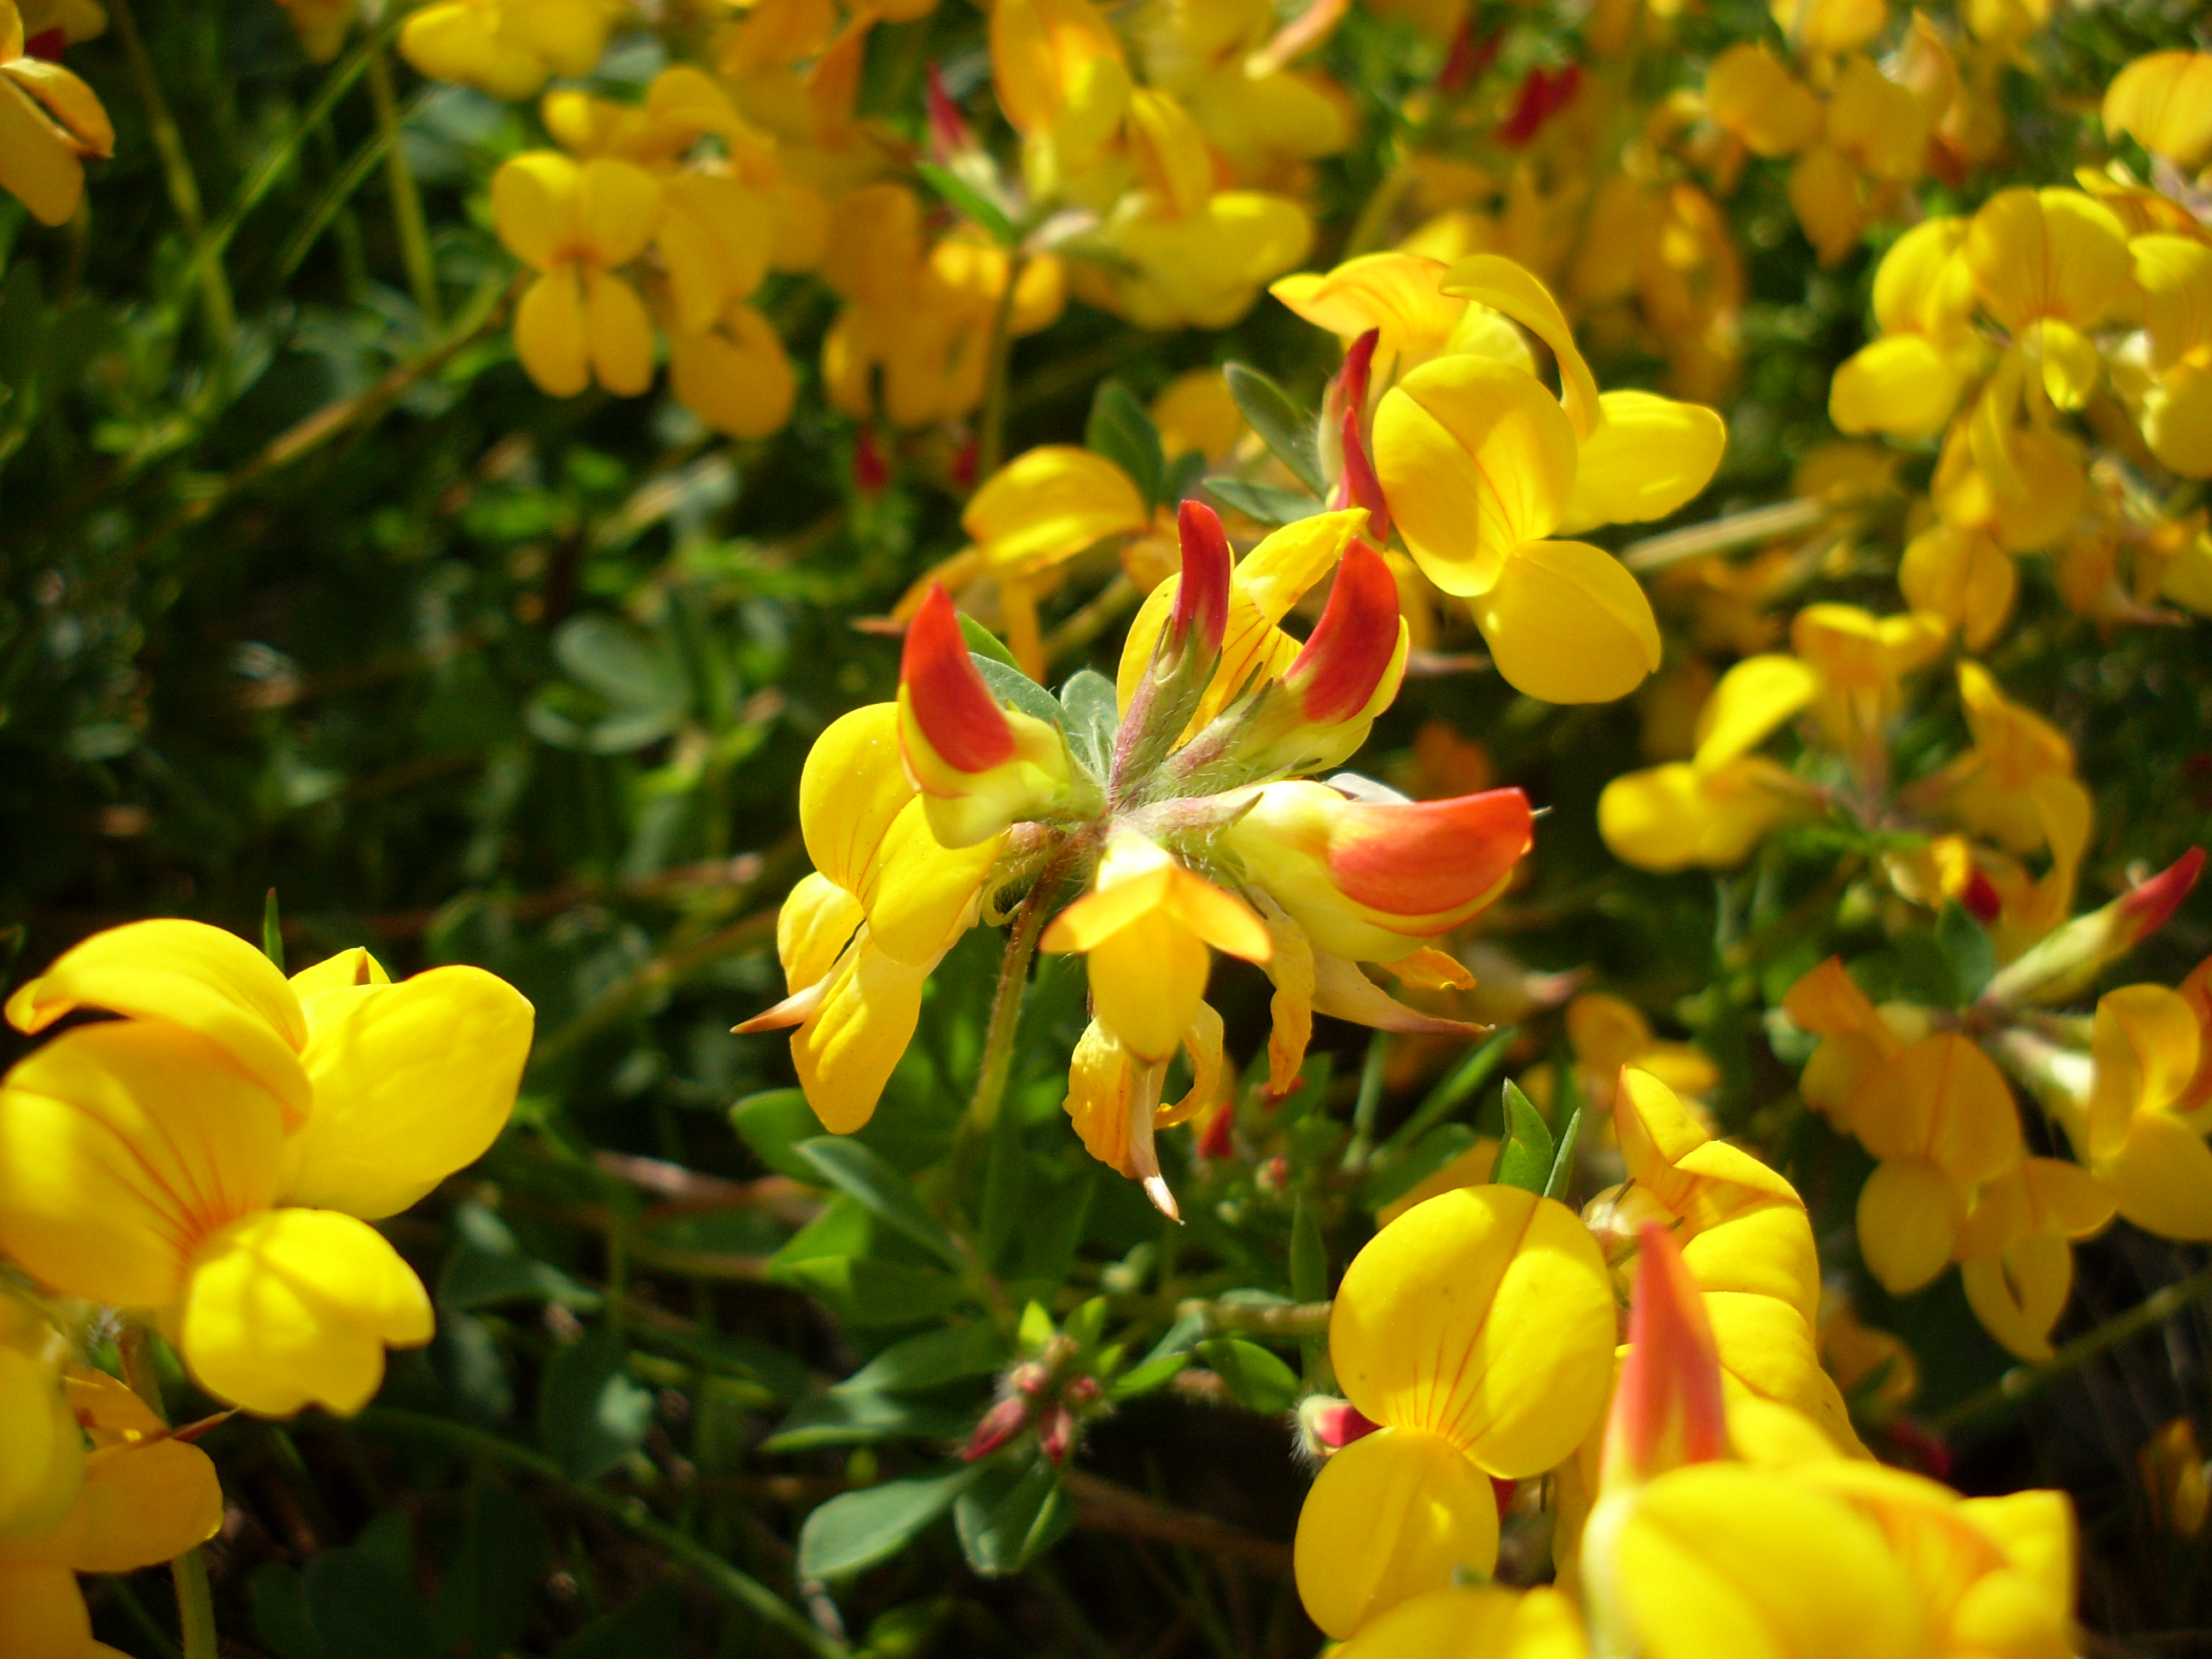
[1176, 802]
[210, 1161]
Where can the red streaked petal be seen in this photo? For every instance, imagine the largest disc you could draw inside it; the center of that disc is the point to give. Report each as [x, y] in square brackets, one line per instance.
[1421, 858]
[2148, 907]
[1666, 1407]
[1352, 645]
[1358, 364]
[951, 705]
[1201, 601]
[1359, 486]
[948, 130]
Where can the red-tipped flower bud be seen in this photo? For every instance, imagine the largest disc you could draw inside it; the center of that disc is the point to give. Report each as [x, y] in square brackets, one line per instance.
[1056, 1433]
[1201, 617]
[1351, 647]
[1000, 1424]
[2065, 961]
[952, 705]
[1667, 1406]
[948, 129]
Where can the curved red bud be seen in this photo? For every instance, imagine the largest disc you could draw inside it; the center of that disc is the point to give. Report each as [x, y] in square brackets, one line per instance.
[1359, 365]
[948, 129]
[958, 716]
[1666, 1407]
[1353, 644]
[2146, 909]
[1359, 486]
[1201, 601]
[1542, 95]
[1422, 858]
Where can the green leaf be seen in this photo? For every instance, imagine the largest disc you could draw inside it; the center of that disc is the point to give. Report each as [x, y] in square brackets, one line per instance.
[1086, 1324]
[856, 1529]
[490, 1266]
[1254, 1377]
[1264, 503]
[272, 931]
[1011, 686]
[982, 642]
[485, 1596]
[865, 1417]
[1526, 1158]
[1093, 716]
[929, 1360]
[1121, 430]
[1005, 1177]
[873, 1294]
[1181, 476]
[965, 199]
[1005, 1521]
[1151, 1374]
[861, 1175]
[361, 1602]
[651, 1622]
[1393, 1179]
[590, 1412]
[1282, 425]
[279, 1602]
[1966, 948]
[1562, 1165]
[772, 1123]
[1035, 1328]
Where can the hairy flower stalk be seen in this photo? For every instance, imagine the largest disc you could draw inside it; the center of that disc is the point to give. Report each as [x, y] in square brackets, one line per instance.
[975, 780]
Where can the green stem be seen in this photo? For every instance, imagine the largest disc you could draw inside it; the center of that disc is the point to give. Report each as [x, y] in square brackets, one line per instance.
[740, 1588]
[217, 308]
[2022, 1380]
[1367, 1105]
[991, 442]
[1289, 1319]
[406, 200]
[195, 1597]
[1007, 1004]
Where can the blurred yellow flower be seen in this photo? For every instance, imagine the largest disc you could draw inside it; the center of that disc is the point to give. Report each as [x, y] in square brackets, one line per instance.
[577, 225]
[50, 121]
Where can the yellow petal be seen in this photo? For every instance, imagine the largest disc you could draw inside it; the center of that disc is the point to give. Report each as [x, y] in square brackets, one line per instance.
[618, 333]
[851, 788]
[1751, 700]
[2164, 101]
[190, 974]
[1962, 576]
[1727, 1558]
[461, 41]
[122, 1145]
[847, 1048]
[2054, 253]
[816, 918]
[37, 164]
[1493, 280]
[1486, 1316]
[413, 1081]
[292, 1307]
[2176, 424]
[1475, 1621]
[533, 203]
[1908, 1223]
[1397, 1513]
[617, 206]
[1048, 505]
[1648, 456]
[736, 378]
[350, 967]
[45, 1467]
[1924, 285]
[1903, 385]
[144, 1505]
[1675, 817]
[2146, 1042]
[2161, 1178]
[1565, 622]
[2018, 1293]
[1400, 294]
[1476, 457]
[1751, 94]
[920, 895]
[1824, 194]
[42, 1612]
[549, 335]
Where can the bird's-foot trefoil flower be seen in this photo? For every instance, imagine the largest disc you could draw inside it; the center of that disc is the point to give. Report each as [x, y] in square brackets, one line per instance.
[1162, 816]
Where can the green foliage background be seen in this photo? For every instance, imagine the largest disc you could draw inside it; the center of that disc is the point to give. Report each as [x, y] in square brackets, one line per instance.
[337, 604]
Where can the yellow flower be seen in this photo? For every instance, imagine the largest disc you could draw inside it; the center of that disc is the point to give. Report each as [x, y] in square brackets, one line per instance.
[1478, 1330]
[1874, 132]
[1714, 808]
[45, 1467]
[2142, 1132]
[213, 1157]
[2050, 266]
[577, 225]
[2015, 1255]
[1608, 1035]
[1908, 382]
[1941, 1121]
[1855, 1041]
[145, 1498]
[1481, 464]
[2016, 784]
[1194, 413]
[1747, 1244]
[2164, 102]
[859, 937]
[508, 48]
[1064, 84]
[1861, 661]
[49, 122]
[1475, 1621]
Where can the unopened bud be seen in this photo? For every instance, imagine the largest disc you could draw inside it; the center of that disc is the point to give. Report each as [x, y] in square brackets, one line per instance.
[1000, 1424]
[2067, 960]
[1201, 617]
[1029, 1377]
[1328, 1424]
[1667, 1409]
[870, 470]
[1082, 1395]
[1056, 1434]
[949, 135]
